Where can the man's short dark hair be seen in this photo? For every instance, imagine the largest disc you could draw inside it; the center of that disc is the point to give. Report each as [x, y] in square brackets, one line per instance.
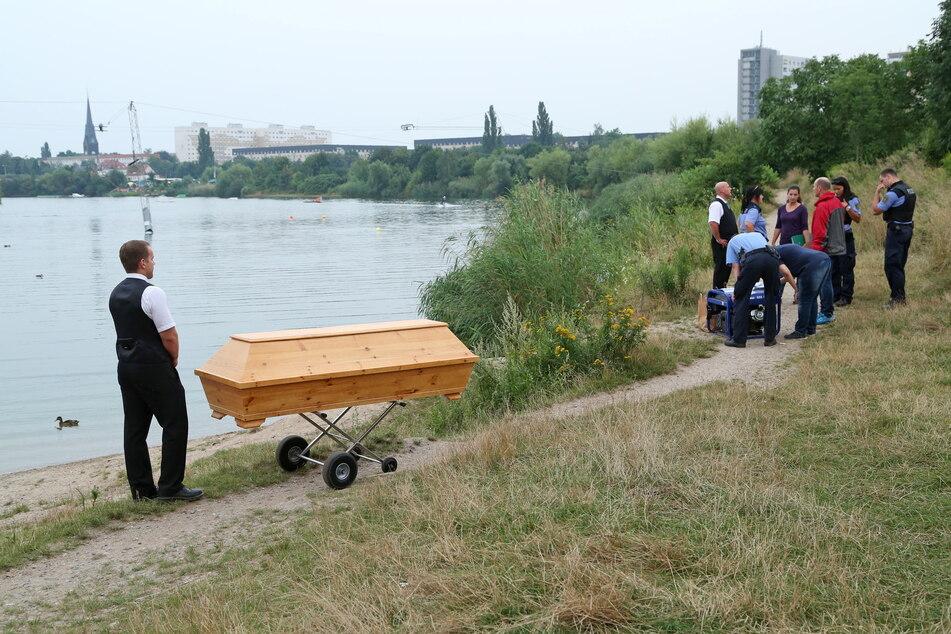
[133, 252]
[888, 171]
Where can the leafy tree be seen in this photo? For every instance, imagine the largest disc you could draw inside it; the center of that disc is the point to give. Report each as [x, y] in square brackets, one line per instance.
[624, 158]
[115, 179]
[427, 165]
[550, 166]
[492, 134]
[832, 111]
[45, 151]
[391, 156]
[530, 149]
[279, 174]
[937, 87]
[684, 146]
[232, 181]
[206, 156]
[543, 128]
[164, 164]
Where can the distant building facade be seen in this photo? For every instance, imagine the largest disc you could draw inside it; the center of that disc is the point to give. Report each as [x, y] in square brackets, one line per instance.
[516, 141]
[754, 67]
[133, 167]
[301, 152]
[893, 58]
[235, 135]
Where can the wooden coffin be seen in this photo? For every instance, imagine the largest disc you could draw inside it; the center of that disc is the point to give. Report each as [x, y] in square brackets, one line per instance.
[259, 375]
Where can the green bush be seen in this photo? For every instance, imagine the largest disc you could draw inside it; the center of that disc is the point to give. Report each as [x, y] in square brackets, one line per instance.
[669, 277]
[544, 254]
[530, 358]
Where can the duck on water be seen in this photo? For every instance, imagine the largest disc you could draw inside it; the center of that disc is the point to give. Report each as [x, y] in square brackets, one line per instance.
[60, 423]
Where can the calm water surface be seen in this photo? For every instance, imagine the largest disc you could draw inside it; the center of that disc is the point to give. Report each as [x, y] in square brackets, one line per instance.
[228, 266]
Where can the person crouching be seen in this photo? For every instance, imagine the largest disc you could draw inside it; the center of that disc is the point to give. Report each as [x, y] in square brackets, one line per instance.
[753, 260]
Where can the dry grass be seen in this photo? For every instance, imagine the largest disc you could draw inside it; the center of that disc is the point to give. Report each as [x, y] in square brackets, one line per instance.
[822, 505]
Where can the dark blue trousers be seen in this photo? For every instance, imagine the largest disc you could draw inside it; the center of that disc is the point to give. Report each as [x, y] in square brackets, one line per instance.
[810, 282]
[756, 267]
[897, 240]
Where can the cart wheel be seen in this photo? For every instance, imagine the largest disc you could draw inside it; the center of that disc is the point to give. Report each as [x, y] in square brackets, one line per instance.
[358, 451]
[289, 453]
[389, 465]
[340, 470]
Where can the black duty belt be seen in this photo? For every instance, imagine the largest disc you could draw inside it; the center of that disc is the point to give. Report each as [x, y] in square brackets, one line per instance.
[767, 249]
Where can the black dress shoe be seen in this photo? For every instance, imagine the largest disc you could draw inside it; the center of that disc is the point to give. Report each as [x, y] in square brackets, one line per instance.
[769, 342]
[795, 334]
[734, 344]
[184, 494]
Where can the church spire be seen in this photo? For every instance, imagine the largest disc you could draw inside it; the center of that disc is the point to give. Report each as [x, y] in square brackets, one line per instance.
[90, 143]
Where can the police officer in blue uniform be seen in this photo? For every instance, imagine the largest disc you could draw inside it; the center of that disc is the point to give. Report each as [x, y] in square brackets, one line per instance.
[753, 260]
[147, 347]
[897, 207]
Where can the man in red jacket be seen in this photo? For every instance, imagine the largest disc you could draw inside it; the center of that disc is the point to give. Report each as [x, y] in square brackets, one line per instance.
[827, 206]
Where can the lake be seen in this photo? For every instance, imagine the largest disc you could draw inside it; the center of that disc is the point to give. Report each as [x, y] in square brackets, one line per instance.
[228, 266]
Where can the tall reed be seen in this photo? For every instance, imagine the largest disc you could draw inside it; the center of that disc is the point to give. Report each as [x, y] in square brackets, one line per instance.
[543, 253]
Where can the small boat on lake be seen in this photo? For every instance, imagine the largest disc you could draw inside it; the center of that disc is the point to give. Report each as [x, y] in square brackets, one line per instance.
[314, 200]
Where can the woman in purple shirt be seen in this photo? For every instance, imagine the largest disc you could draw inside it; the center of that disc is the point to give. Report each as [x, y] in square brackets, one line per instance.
[792, 220]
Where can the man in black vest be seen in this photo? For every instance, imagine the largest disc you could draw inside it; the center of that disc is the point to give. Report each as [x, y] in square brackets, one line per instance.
[898, 207]
[147, 347]
[722, 228]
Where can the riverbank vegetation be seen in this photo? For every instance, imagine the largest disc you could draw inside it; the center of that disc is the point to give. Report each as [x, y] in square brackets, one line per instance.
[818, 502]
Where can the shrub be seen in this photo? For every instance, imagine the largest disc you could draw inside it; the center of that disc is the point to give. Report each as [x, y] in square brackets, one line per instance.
[544, 254]
[669, 277]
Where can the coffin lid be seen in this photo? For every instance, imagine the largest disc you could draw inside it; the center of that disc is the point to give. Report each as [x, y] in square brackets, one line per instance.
[289, 356]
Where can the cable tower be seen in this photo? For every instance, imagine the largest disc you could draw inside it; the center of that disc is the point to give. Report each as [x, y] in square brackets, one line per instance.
[136, 153]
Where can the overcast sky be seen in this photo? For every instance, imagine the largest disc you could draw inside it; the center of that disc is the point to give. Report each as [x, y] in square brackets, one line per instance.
[361, 69]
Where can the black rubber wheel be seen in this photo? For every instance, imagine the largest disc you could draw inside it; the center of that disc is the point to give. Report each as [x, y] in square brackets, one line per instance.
[289, 453]
[340, 470]
[358, 451]
[389, 465]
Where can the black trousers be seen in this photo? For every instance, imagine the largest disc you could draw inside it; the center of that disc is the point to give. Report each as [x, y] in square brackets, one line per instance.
[721, 270]
[897, 240]
[756, 267]
[843, 271]
[153, 390]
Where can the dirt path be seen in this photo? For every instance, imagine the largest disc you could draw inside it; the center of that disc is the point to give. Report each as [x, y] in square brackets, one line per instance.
[131, 554]
[123, 555]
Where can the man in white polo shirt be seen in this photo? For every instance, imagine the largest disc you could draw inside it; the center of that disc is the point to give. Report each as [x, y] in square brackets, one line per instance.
[147, 347]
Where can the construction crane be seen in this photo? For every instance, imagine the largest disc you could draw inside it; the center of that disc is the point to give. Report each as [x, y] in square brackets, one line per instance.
[136, 152]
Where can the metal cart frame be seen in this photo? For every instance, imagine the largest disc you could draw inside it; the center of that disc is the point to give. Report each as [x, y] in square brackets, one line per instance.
[339, 470]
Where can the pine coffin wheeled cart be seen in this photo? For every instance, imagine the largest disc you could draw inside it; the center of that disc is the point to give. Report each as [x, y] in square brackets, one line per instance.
[261, 375]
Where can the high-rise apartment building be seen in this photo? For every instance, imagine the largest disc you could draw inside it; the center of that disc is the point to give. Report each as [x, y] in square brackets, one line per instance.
[755, 66]
[235, 135]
